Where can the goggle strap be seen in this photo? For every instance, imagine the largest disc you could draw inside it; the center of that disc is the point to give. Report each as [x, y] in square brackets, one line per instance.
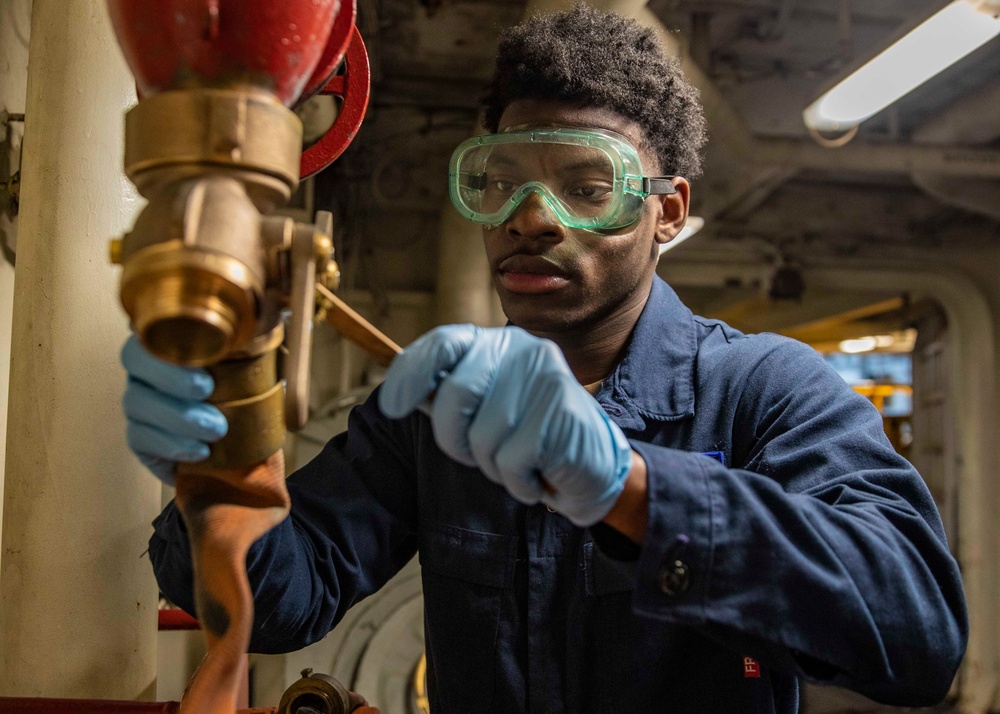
[477, 182]
[658, 186]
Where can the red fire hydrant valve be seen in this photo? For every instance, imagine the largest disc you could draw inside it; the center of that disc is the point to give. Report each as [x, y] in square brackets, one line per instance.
[353, 87]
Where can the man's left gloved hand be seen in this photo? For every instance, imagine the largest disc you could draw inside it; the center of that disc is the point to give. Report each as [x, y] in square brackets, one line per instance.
[507, 403]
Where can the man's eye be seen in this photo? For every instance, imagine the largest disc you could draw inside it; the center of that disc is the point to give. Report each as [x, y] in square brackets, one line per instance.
[502, 186]
[590, 191]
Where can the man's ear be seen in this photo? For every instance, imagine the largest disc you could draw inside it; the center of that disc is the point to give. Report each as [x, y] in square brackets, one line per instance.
[675, 211]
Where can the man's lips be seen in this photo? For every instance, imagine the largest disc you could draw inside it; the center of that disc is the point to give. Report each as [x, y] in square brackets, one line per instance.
[533, 264]
[531, 274]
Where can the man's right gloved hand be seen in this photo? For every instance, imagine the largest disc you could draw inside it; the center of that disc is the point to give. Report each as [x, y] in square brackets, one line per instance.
[168, 419]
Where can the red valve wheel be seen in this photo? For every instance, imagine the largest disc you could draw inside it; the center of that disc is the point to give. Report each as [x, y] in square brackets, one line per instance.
[353, 87]
[333, 53]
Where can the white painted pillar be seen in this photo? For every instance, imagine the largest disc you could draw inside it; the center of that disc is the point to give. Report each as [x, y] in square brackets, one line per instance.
[464, 288]
[77, 596]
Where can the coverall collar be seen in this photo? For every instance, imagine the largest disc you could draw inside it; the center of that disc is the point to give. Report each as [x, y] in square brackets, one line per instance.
[663, 343]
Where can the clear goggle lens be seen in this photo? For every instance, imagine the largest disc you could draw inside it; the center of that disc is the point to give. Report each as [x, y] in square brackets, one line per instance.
[588, 179]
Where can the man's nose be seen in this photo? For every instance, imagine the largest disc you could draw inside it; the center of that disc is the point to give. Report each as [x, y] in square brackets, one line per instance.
[534, 220]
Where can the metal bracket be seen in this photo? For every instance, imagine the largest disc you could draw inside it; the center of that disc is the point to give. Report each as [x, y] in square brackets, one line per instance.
[989, 7]
[10, 182]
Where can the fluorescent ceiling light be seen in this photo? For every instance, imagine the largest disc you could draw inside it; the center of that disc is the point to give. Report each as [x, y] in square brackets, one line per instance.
[899, 342]
[693, 225]
[862, 344]
[943, 39]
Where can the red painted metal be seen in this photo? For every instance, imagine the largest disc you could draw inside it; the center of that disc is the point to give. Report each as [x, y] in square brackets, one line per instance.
[353, 86]
[176, 620]
[172, 44]
[83, 706]
[336, 48]
[20, 705]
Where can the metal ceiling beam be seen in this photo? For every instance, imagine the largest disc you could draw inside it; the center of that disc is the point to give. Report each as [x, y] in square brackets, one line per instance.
[883, 11]
[729, 131]
[767, 161]
[973, 120]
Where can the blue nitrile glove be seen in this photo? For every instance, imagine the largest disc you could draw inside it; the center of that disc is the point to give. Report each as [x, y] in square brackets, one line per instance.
[168, 419]
[507, 403]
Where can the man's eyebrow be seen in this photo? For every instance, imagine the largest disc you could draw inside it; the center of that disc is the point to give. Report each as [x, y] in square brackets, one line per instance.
[507, 161]
[500, 160]
[592, 163]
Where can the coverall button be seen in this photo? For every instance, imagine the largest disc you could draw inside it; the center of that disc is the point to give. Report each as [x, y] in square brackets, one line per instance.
[675, 578]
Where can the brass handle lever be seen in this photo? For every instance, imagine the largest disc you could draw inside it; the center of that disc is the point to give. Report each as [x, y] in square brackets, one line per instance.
[357, 329]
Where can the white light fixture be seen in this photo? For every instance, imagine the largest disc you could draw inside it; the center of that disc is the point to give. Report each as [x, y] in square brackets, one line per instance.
[940, 41]
[693, 225]
[861, 344]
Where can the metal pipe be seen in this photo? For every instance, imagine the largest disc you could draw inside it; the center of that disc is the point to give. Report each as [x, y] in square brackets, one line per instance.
[464, 288]
[13, 78]
[701, 39]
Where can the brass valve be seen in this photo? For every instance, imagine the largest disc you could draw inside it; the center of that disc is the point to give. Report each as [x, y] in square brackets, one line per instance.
[207, 273]
[212, 163]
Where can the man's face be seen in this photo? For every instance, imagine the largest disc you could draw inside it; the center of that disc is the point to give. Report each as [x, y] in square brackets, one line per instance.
[554, 279]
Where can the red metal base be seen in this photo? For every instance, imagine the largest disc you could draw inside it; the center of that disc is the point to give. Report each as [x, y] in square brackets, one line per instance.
[175, 620]
[170, 44]
[23, 705]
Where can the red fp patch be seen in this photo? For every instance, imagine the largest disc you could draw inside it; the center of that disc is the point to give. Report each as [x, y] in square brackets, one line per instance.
[751, 668]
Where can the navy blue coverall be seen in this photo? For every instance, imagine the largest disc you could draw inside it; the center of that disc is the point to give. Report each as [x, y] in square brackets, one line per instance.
[786, 540]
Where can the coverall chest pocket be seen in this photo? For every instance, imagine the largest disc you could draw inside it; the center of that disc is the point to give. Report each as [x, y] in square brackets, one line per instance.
[465, 574]
[605, 575]
[614, 635]
[647, 663]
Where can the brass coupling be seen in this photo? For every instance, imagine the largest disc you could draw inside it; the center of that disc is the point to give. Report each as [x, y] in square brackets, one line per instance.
[250, 396]
[194, 270]
[318, 693]
[245, 129]
[189, 307]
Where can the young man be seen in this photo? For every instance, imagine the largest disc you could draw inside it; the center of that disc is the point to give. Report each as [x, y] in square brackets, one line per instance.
[618, 506]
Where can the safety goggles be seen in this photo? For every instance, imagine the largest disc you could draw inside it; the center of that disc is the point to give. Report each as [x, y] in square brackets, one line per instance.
[589, 178]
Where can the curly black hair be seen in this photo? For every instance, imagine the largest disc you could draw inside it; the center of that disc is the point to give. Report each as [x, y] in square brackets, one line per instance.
[587, 57]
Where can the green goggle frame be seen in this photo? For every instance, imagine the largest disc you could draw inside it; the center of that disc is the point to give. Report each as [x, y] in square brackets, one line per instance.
[622, 200]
